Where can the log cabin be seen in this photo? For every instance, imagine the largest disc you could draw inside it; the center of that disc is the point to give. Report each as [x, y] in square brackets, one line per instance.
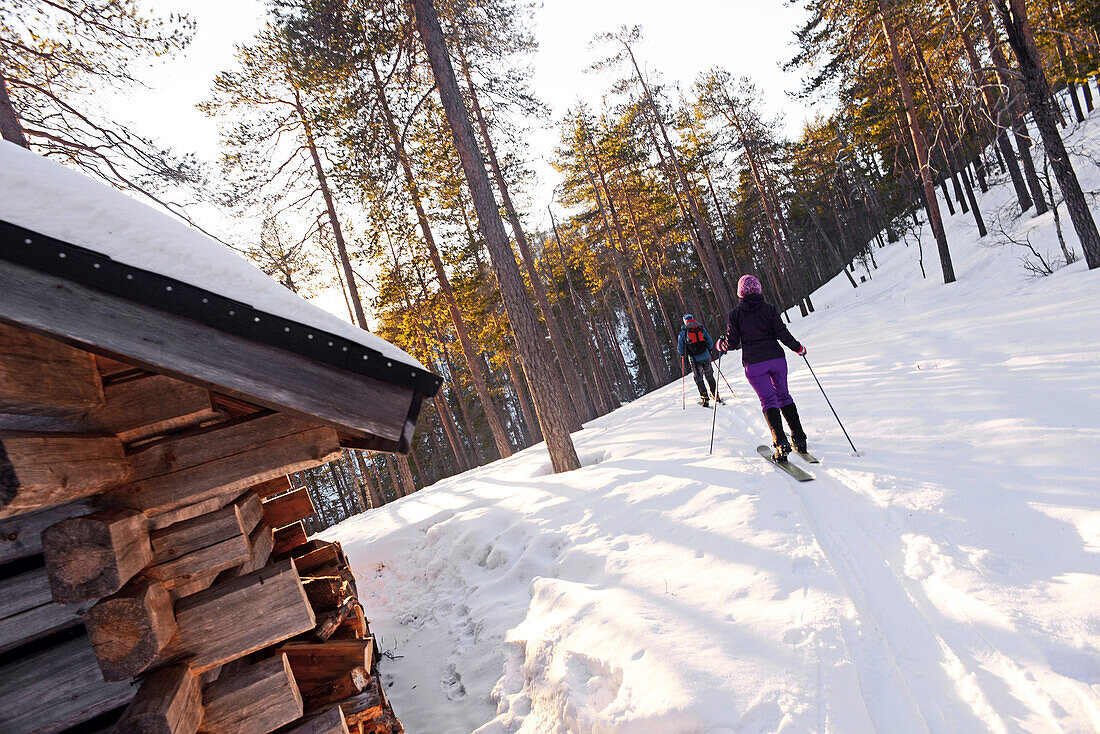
[156, 392]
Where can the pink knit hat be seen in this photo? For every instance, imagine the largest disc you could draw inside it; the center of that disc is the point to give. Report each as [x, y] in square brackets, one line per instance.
[748, 284]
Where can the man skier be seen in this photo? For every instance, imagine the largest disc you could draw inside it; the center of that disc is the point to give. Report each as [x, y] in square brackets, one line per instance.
[694, 347]
[756, 328]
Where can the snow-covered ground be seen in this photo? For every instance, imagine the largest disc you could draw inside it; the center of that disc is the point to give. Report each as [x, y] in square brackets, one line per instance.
[946, 581]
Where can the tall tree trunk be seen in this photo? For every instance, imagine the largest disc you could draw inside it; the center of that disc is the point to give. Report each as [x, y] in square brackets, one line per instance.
[706, 244]
[949, 146]
[469, 351]
[375, 494]
[341, 492]
[529, 417]
[1060, 44]
[450, 430]
[398, 493]
[637, 311]
[566, 363]
[463, 409]
[1014, 17]
[920, 147]
[405, 471]
[10, 129]
[347, 471]
[1018, 126]
[601, 385]
[534, 354]
[330, 206]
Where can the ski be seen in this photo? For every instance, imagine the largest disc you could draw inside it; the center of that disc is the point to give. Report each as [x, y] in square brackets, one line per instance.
[798, 473]
[807, 457]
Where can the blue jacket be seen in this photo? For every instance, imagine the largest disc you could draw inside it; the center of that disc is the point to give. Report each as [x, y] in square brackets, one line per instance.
[682, 343]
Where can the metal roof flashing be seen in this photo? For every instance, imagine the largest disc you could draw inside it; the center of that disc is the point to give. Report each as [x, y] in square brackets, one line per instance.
[94, 270]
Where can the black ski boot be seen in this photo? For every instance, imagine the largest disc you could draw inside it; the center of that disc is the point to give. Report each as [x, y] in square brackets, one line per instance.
[704, 401]
[779, 437]
[798, 436]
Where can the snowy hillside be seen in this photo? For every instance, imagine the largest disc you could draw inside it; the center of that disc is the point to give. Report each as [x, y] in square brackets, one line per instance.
[946, 581]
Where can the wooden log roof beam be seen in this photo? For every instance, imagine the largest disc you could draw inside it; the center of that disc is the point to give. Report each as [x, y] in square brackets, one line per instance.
[42, 469]
[225, 458]
[371, 413]
[40, 376]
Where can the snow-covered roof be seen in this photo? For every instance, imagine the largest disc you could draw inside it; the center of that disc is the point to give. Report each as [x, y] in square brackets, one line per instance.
[44, 196]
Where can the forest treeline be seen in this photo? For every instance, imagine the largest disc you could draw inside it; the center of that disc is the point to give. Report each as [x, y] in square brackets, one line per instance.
[380, 143]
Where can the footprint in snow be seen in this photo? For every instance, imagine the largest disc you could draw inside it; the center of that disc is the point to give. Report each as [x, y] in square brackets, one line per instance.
[452, 684]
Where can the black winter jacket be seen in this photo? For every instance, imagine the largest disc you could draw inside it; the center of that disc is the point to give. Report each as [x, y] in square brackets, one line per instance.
[756, 328]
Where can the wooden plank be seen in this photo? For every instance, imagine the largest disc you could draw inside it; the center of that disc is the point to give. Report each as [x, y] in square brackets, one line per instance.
[53, 689]
[168, 702]
[202, 563]
[220, 624]
[272, 487]
[42, 469]
[314, 662]
[21, 536]
[251, 508]
[150, 405]
[255, 700]
[289, 537]
[286, 508]
[329, 721]
[196, 509]
[261, 541]
[329, 553]
[190, 468]
[185, 537]
[110, 368]
[28, 612]
[308, 547]
[193, 586]
[129, 629]
[42, 376]
[269, 376]
[91, 556]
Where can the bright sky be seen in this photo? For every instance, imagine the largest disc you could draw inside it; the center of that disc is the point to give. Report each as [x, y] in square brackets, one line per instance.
[681, 38]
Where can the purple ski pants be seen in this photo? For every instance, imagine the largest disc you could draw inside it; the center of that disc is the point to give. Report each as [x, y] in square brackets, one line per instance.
[769, 380]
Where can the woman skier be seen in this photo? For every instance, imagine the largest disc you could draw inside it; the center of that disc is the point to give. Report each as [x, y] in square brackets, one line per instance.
[756, 328]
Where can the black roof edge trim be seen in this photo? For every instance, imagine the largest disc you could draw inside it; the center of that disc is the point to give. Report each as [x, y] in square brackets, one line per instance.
[95, 270]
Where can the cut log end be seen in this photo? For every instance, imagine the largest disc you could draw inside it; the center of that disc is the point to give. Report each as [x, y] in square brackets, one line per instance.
[92, 556]
[129, 629]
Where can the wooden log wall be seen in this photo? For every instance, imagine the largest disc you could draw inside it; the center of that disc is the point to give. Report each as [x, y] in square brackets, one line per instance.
[155, 575]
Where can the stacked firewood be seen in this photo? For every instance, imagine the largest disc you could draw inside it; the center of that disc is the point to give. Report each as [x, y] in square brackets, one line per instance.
[155, 574]
[229, 625]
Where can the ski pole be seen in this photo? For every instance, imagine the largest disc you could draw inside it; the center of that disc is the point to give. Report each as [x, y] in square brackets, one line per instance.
[819, 387]
[724, 377]
[683, 381]
[714, 418]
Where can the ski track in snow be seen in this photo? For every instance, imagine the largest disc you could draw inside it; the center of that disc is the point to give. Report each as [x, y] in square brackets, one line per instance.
[945, 581]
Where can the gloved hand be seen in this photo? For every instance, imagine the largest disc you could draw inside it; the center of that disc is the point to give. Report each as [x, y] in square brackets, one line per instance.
[801, 351]
[721, 345]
